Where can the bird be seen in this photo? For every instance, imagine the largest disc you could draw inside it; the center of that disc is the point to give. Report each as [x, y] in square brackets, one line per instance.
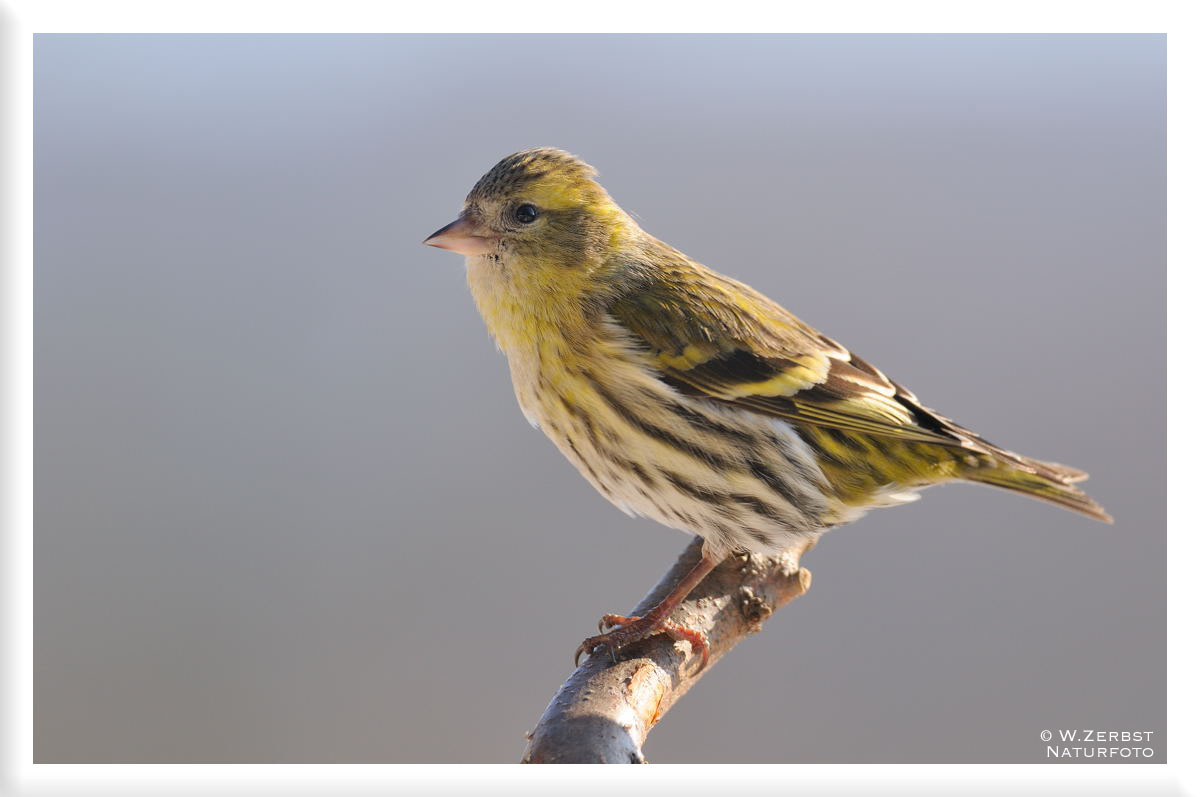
[687, 397]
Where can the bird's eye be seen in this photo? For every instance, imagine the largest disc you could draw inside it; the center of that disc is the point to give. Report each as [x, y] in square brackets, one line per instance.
[526, 213]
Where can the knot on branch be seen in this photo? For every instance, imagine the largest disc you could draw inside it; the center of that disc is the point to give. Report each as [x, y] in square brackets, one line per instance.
[754, 609]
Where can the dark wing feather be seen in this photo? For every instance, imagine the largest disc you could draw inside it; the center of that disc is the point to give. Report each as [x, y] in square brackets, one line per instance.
[713, 336]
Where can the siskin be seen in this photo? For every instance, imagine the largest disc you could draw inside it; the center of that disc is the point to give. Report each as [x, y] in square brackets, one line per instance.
[690, 398]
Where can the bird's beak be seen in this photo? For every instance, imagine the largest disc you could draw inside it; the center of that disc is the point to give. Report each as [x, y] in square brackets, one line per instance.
[463, 235]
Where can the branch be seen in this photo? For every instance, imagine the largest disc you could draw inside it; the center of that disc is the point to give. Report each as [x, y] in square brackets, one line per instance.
[605, 710]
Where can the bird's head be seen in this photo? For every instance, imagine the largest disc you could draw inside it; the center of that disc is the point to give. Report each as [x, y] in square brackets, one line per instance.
[537, 209]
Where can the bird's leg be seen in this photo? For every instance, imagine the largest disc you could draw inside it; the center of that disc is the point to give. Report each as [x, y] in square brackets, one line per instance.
[628, 630]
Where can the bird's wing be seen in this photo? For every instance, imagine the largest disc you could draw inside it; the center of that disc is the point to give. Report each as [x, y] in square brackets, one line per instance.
[713, 336]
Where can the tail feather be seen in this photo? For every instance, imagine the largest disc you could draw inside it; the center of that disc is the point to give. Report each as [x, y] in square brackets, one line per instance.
[1048, 481]
[1059, 472]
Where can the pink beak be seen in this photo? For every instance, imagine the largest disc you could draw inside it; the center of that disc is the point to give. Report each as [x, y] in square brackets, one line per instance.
[463, 236]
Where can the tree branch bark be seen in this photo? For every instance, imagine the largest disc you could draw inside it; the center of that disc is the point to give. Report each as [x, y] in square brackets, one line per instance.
[605, 710]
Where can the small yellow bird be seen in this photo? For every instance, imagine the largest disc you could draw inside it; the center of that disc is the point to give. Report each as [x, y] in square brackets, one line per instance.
[687, 397]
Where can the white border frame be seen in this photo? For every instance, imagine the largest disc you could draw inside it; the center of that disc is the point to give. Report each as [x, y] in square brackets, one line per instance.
[21, 776]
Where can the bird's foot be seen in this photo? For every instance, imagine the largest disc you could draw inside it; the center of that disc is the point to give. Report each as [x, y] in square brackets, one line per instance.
[618, 631]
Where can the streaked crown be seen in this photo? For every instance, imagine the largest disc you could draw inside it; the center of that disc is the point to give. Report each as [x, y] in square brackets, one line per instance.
[558, 177]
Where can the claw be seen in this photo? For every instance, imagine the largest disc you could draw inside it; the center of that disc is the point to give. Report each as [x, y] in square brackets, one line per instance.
[609, 622]
[617, 631]
[591, 644]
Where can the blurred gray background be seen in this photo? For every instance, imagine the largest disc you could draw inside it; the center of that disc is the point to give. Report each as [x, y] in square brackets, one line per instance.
[287, 509]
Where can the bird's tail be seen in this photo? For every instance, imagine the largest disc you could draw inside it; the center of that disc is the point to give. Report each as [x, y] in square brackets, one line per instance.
[1046, 480]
